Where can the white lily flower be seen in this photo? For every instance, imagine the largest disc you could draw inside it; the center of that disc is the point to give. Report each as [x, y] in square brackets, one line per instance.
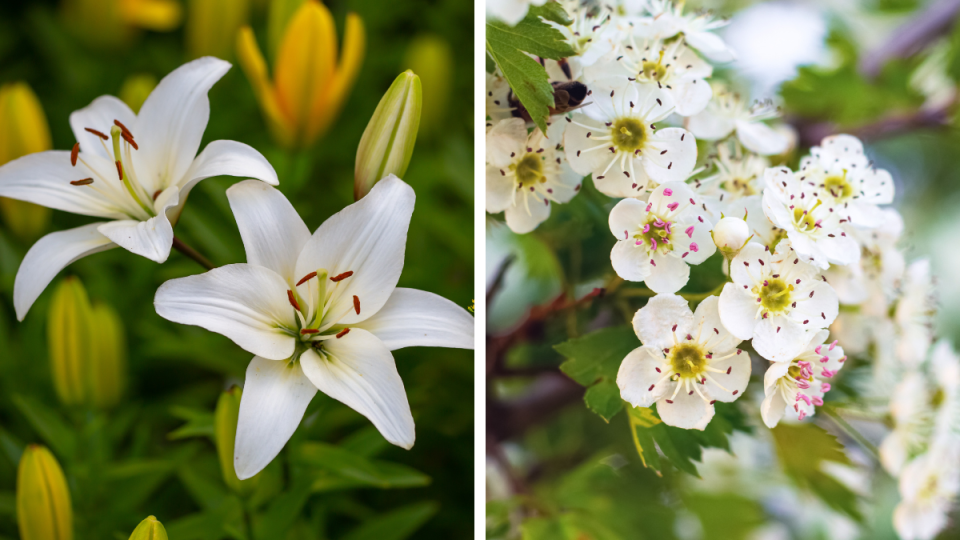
[319, 312]
[688, 361]
[526, 172]
[670, 66]
[798, 386]
[914, 314]
[614, 139]
[928, 487]
[658, 239]
[776, 300]
[139, 185]
[668, 19]
[845, 177]
[727, 113]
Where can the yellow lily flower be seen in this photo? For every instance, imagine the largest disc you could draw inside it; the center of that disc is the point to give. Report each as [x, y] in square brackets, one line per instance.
[310, 85]
[225, 419]
[212, 26]
[23, 130]
[149, 529]
[108, 23]
[43, 500]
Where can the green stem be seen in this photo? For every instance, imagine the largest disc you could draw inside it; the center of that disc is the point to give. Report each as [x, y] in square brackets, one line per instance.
[192, 253]
[851, 431]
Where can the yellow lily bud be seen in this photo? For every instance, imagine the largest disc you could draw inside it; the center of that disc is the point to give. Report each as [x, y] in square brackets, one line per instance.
[136, 88]
[431, 58]
[23, 130]
[108, 361]
[309, 85]
[69, 340]
[225, 430]
[149, 529]
[43, 500]
[109, 23]
[387, 143]
[212, 26]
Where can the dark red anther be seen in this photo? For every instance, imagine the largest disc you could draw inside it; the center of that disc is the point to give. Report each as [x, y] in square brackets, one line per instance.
[309, 331]
[97, 133]
[342, 333]
[356, 303]
[306, 278]
[120, 169]
[341, 277]
[129, 138]
[84, 182]
[122, 127]
[293, 300]
[74, 154]
[157, 193]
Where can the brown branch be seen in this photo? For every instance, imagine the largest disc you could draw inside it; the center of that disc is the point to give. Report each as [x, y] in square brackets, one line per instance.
[550, 392]
[811, 133]
[912, 36]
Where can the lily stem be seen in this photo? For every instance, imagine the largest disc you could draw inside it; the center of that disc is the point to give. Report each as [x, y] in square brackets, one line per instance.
[192, 253]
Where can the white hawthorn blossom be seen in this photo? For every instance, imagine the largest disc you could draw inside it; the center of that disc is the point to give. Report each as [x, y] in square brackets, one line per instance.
[913, 418]
[498, 98]
[928, 487]
[914, 314]
[133, 171]
[812, 221]
[320, 312]
[873, 281]
[687, 362]
[727, 113]
[511, 11]
[777, 300]
[667, 19]
[797, 387]
[589, 33]
[736, 175]
[845, 178]
[658, 239]
[526, 173]
[670, 66]
[614, 139]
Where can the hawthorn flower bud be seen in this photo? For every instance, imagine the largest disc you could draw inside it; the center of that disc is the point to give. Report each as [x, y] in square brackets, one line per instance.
[225, 431]
[23, 130]
[43, 500]
[730, 234]
[387, 143]
[149, 529]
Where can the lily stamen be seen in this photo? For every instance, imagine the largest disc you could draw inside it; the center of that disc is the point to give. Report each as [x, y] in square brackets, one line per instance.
[356, 303]
[309, 331]
[84, 182]
[74, 154]
[97, 133]
[342, 276]
[306, 278]
[342, 333]
[293, 300]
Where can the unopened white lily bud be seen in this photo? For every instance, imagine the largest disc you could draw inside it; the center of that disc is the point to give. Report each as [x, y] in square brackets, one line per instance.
[387, 143]
[730, 234]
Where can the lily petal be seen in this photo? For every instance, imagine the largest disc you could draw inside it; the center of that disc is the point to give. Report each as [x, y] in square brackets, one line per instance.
[152, 238]
[359, 371]
[172, 120]
[367, 238]
[99, 115]
[228, 158]
[273, 233]
[413, 318]
[48, 256]
[275, 396]
[246, 303]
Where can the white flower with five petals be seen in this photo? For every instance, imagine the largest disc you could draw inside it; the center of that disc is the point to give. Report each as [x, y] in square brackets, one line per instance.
[797, 387]
[658, 239]
[137, 177]
[928, 488]
[688, 361]
[727, 113]
[776, 299]
[319, 311]
[668, 19]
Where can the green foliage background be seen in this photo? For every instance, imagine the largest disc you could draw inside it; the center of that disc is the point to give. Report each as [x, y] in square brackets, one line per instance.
[346, 481]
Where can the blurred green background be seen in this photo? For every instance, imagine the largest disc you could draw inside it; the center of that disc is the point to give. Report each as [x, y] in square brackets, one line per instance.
[126, 462]
[557, 470]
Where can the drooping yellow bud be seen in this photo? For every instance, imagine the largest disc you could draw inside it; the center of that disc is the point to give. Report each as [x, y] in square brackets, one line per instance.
[23, 130]
[387, 143]
[108, 362]
[70, 341]
[111, 23]
[309, 83]
[212, 26]
[225, 430]
[43, 500]
[136, 88]
[149, 529]
[431, 58]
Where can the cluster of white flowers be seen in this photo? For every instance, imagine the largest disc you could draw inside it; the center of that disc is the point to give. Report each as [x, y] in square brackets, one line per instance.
[811, 254]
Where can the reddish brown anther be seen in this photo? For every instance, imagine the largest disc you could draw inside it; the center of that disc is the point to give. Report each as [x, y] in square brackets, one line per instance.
[74, 154]
[97, 133]
[356, 303]
[157, 193]
[120, 169]
[293, 300]
[309, 331]
[129, 138]
[306, 278]
[341, 277]
[84, 182]
[342, 333]
[122, 127]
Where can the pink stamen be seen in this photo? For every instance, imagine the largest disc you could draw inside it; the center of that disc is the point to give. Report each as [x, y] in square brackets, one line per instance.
[834, 344]
[817, 350]
[803, 384]
[804, 397]
[673, 206]
[689, 231]
[825, 359]
[646, 228]
[693, 247]
[828, 374]
[668, 192]
[825, 387]
[817, 401]
[653, 243]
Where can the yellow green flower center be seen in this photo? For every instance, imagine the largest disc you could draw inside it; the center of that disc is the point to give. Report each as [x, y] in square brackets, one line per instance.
[803, 219]
[775, 294]
[688, 359]
[739, 186]
[839, 187]
[530, 169]
[629, 135]
[653, 70]
[655, 234]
